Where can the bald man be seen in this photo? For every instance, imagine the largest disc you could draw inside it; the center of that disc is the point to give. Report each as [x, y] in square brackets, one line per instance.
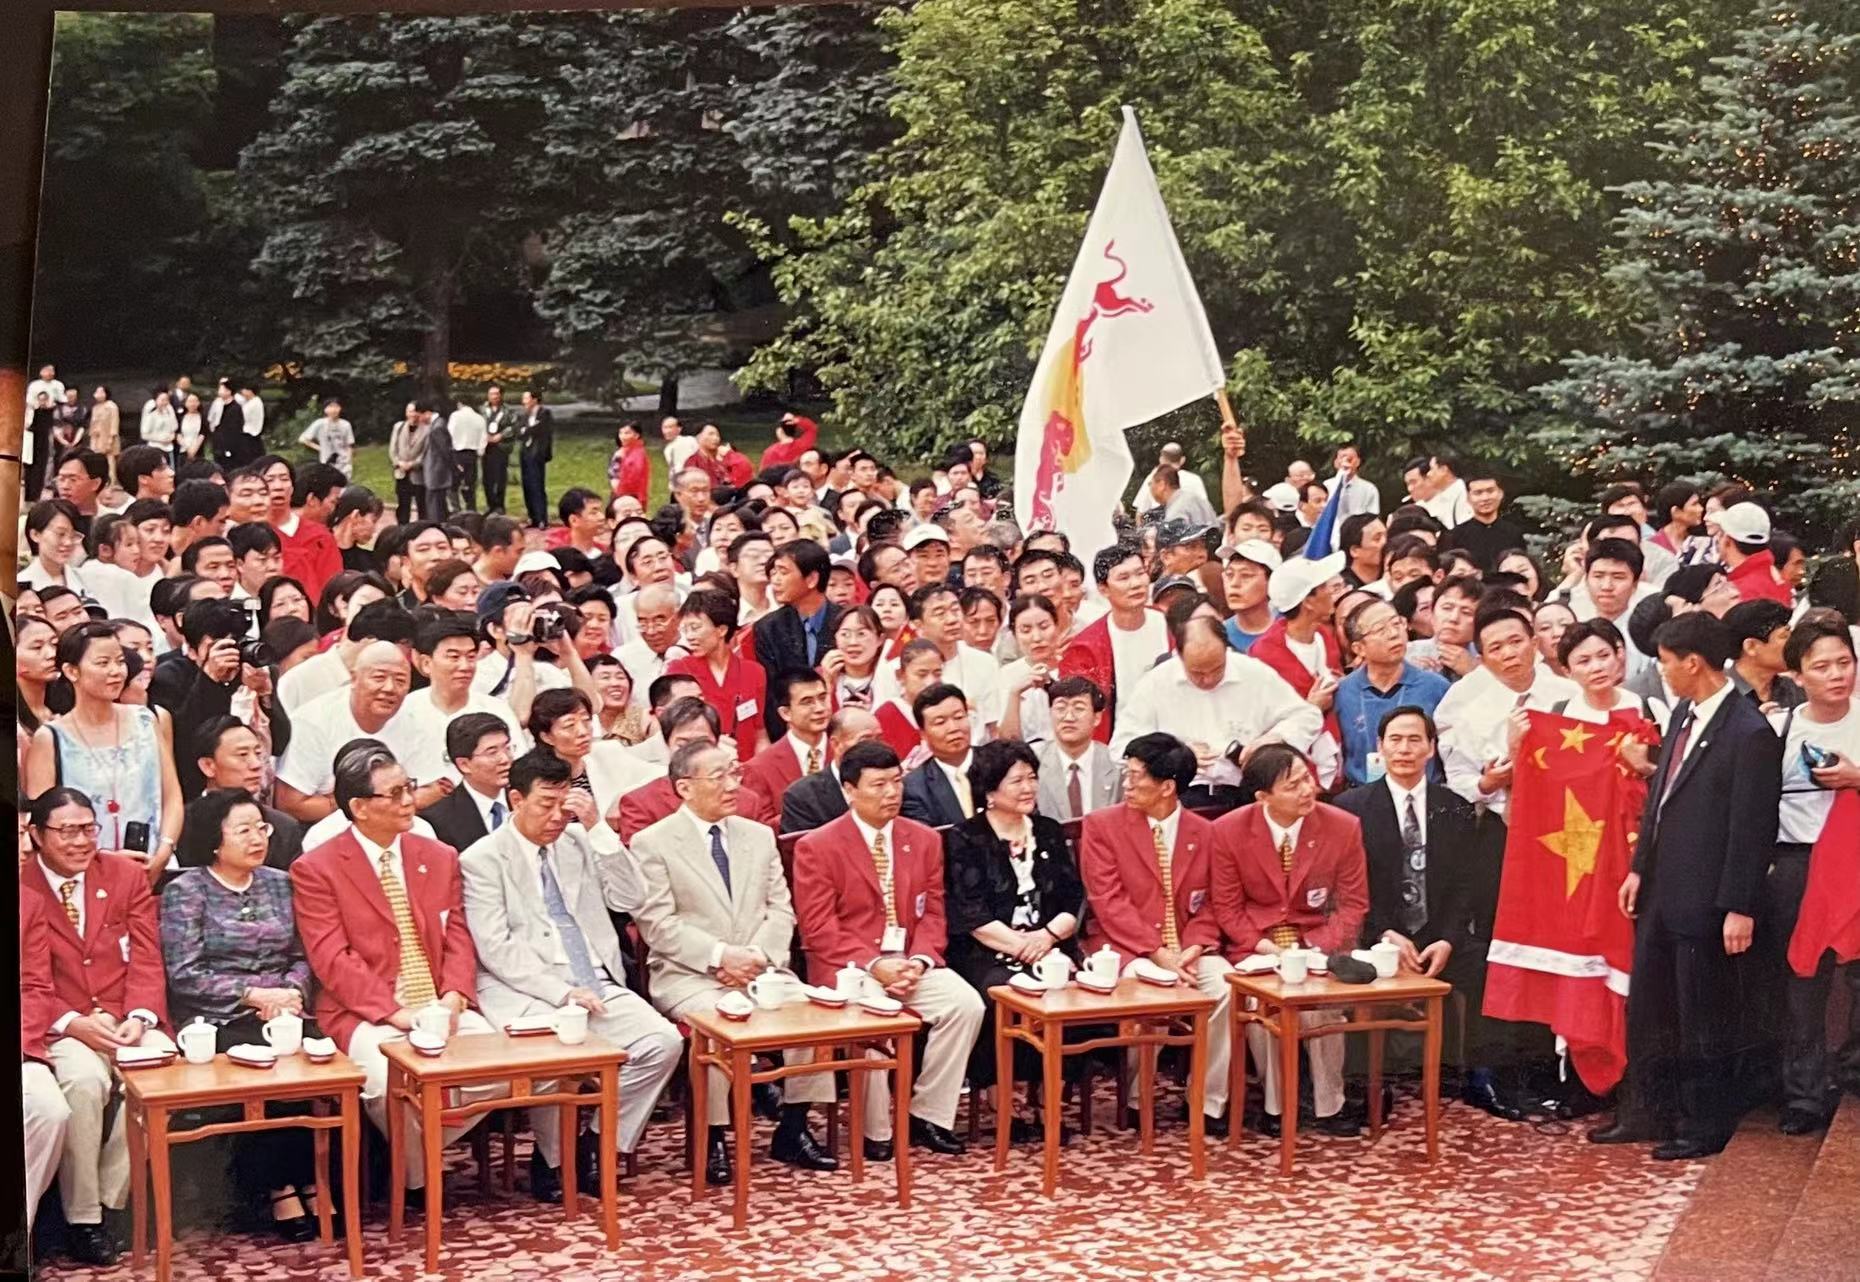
[817, 799]
[651, 629]
[367, 708]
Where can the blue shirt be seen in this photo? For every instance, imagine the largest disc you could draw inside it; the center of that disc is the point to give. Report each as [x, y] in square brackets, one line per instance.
[1360, 709]
[1242, 641]
[814, 624]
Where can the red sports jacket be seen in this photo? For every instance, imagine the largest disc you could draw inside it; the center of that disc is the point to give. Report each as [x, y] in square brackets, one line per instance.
[115, 966]
[840, 908]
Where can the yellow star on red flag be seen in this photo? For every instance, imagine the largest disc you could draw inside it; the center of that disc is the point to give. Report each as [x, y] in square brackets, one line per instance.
[1576, 844]
[1576, 737]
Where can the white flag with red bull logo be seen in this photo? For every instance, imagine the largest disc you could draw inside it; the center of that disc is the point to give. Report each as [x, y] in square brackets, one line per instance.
[1129, 342]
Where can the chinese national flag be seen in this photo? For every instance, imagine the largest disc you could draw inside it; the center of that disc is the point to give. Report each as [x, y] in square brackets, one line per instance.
[1830, 916]
[1561, 949]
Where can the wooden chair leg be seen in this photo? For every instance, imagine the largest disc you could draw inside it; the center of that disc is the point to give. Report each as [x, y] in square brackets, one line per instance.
[510, 1150]
[1087, 1078]
[481, 1153]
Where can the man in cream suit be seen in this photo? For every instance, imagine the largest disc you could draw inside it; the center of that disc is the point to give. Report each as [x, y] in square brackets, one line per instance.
[716, 913]
[1077, 706]
[537, 899]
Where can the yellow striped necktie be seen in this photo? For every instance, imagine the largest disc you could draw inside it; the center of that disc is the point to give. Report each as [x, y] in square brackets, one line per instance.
[881, 860]
[1165, 867]
[66, 889]
[416, 976]
[1284, 934]
[813, 761]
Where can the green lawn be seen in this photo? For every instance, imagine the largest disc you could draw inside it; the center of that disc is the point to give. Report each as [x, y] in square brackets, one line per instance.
[581, 454]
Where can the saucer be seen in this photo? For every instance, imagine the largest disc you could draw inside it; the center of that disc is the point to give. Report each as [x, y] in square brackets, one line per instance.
[881, 1005]
[1096, 983]
[142, 1057]
[1150, 973]
[735, 1006]
[829, 997]
[1021, 982]
[253, 1056]
[425, 1044]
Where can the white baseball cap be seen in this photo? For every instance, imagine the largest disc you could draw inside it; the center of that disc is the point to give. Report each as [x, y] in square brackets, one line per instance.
[1744, 523]
[1282, 497]
[1298, 578]
[534, 560]
[1258, 551]
[927, 532]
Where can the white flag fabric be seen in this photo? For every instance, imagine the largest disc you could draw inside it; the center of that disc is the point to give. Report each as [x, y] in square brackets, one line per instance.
[1129, 342]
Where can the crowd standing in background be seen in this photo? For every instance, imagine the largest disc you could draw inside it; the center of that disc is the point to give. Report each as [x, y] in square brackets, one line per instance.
[281, 753]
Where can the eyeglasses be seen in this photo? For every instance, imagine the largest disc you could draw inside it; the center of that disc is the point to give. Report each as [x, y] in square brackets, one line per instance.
[261, 828]
[72, 832]
[401, 795]
[718, 776]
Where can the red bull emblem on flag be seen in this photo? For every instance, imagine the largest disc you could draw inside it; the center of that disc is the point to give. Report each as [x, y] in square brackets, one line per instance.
[1128, 341]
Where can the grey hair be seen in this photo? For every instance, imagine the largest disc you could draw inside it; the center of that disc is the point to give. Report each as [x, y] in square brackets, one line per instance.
[683, 764]
[356, 763]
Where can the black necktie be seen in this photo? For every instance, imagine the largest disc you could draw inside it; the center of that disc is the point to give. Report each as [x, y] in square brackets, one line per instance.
[1413, 871]
[719, 855]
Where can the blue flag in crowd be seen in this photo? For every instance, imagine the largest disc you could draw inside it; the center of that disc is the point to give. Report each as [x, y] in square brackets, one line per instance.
[1323, 537]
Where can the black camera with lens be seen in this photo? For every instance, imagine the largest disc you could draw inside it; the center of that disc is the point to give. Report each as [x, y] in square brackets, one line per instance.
[256, 654]
[547, 625]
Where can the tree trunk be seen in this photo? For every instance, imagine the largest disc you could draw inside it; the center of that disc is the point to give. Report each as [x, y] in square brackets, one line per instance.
[668, 395]
[436, 348]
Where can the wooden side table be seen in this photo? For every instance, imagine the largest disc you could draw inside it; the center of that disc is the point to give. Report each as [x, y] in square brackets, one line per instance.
[730, 1045]
[1147, 1016]
[1278, 1007]
[152, 1095]
[421, 1082]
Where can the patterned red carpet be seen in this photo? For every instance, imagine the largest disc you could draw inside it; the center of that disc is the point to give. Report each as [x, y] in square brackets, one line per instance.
[1503, 1202]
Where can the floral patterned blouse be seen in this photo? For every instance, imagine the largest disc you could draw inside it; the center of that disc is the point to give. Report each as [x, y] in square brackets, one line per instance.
[217, 942]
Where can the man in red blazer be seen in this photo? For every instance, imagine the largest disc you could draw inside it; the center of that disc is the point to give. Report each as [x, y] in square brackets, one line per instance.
[102, 963]
[868, 892]
[1290, 872]
[1122, 868]
[42, 1105]
[344, 893]
[805, 707]
[1124, 643]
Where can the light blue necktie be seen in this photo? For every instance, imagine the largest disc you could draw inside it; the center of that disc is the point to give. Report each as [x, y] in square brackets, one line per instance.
[580, 963]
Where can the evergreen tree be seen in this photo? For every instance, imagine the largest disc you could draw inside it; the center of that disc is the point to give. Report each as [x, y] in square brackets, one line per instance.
[1747, 260]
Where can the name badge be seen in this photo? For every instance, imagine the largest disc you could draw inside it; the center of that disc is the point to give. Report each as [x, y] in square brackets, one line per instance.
[746, 709]
[123, 944]
[892, 941]
[1316, 896]
[923, 902]
[1196, 898]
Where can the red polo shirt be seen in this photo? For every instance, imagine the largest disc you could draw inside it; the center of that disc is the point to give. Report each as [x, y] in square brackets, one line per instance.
[737, 699]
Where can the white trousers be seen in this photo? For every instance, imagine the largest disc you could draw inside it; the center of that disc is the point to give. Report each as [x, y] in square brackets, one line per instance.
[365, 1049]
[1324, 1054]
[653, 1050]
[46, 1115]
[953, 1010]
[93, 1171]
[1211, 981]
[808, 1088]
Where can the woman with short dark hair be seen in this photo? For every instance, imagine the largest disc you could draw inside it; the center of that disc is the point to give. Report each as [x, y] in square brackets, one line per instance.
[229, 945]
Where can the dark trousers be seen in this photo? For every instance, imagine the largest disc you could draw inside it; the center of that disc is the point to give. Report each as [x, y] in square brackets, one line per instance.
[406, 490]
[496, 476]
[468, 480]
[1216, 796]
[433, 502]
[535, 492]
[1803, 1008]
[1683, 1029]
[266, 1160]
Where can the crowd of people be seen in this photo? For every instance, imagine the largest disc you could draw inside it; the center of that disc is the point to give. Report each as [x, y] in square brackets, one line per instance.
[279, 753]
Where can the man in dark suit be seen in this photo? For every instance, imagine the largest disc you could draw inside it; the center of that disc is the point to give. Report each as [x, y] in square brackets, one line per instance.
[937, 792]
[1434, 863]
[816, 800]
[478, 746]
[536, 432]
[1705, 843]
[233, 756]
[793, 637]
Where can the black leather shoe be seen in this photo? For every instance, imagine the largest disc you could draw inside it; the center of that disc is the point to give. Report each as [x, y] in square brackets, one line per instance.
[1026, 1131]
[1801, 1121]
[935, 1138]
[1687, 1150]
[801, 1149]
[1344, 1123]
[1481, 1091]
[545, 1180]
[90, 1244]
[1266, 1124]
[765, 1100]
[1627, 1131]
[718, 1168]
[1214, 1126]
[877, 1150]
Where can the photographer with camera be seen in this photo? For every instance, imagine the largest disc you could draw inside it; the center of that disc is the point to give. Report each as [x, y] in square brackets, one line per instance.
[532, 649]
[219, 671]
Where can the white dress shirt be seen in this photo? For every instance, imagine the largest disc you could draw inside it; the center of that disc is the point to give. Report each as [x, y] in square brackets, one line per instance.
[1251, 700]
[466, 427]
[1278, 834]
[1473, 717]
[1169, 827]
[1418, 794]
[958, 776]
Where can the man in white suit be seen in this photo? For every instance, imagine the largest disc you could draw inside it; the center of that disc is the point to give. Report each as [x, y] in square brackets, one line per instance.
[1077, 773]
[537, 898]
[717, 913]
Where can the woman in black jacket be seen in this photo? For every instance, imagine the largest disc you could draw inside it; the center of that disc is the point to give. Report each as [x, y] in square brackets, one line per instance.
[1013, 890]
